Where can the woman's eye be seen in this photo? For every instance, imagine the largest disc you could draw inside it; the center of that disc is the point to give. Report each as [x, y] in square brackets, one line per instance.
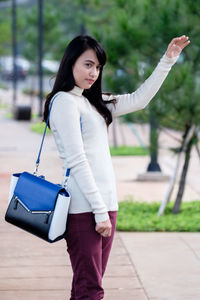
[88, 65]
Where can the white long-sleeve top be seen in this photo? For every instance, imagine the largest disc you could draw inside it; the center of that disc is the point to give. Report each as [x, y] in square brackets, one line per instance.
[85, 149]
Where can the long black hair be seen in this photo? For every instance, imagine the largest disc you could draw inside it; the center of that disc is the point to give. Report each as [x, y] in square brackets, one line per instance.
[65, 79]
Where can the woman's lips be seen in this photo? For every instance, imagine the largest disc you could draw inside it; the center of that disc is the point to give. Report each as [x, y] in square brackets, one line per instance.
[90, 80]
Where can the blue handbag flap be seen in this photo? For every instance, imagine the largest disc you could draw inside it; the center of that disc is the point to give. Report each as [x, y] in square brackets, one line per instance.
[36, 193]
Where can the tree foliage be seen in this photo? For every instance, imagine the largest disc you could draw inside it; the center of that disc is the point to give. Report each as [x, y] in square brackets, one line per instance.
[61, 21]
[5, 29]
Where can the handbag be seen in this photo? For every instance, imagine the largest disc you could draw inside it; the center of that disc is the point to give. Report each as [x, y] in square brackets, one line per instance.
[37, 205]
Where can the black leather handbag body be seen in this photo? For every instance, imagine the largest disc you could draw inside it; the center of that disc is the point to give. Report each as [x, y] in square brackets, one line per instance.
[37, 205]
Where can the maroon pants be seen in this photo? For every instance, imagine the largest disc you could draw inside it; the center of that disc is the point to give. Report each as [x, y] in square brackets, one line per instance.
[89, 253]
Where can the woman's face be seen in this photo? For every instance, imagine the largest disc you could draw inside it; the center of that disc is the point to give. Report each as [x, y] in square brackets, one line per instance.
[86, 69]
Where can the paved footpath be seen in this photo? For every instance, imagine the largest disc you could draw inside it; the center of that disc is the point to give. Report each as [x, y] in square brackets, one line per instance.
[154, 266]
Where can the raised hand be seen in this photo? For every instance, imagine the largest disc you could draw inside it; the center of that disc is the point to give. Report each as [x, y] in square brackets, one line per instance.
[177, 45]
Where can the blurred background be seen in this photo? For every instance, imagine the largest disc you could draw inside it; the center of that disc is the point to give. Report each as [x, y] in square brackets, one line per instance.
[155, 151]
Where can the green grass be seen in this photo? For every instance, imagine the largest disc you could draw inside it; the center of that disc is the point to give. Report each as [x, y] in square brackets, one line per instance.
[3, 86]
[3, 106]
[10, 115]
[128, 150]
[39, 128]
[142, 216]
[33, 92]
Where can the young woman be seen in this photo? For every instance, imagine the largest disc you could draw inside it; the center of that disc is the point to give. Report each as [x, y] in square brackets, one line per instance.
[80, 117]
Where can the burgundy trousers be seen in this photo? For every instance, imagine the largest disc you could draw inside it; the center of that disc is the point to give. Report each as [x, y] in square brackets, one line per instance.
[89, 252]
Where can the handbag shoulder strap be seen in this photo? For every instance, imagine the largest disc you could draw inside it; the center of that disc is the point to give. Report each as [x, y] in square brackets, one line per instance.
[44, 134]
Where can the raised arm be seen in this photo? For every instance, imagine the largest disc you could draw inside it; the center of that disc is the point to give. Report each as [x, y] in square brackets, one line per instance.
[139, 99]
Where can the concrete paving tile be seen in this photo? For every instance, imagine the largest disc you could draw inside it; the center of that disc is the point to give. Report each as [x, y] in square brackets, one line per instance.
[127, 294]
[33, 261]
[121, 282]
[35, 295]
[35, 272]
[21, 237]
[12, 245]
[119, 260]
[118, 251]
[169, 269]
[116, 271]
[46, 283]
[117, 247]
[59, 271]
[110, 294]
[192, 239]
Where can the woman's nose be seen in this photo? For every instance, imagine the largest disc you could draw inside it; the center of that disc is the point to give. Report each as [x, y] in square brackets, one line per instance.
[94, 72]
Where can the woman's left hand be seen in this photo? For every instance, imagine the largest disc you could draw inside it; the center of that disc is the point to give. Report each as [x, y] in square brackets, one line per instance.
[177, 45]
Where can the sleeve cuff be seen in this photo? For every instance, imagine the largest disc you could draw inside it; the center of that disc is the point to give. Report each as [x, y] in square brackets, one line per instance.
[169, 60]
[101, 217]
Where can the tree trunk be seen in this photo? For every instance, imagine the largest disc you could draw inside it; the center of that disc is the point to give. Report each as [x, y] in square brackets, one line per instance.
[176, 208]
[189, 133]
[171, 186]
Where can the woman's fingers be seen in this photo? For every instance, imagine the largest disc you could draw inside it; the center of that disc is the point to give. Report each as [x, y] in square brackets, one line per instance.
[100, 230]
[104, 228]
[185, 44]
[106, 233]
[177, 45]
[182, 41]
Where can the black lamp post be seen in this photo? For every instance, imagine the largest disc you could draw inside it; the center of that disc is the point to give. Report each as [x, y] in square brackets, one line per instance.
[20, 112]
[40, 53]
[153, 165]
[14, 51]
